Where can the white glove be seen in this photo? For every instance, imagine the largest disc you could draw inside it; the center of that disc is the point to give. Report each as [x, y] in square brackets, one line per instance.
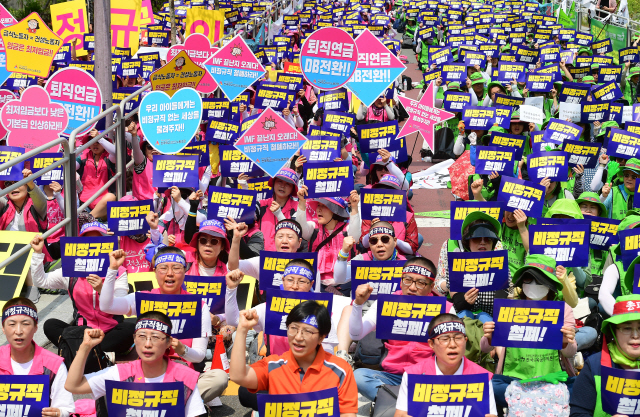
[473, 138]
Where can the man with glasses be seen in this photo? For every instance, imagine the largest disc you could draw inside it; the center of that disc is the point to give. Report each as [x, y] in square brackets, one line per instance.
[418, 276]
[618, 199]
[447, 338]
[304, 367]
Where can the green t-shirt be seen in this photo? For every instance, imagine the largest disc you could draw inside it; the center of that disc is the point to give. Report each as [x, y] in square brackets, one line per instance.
[525, 363]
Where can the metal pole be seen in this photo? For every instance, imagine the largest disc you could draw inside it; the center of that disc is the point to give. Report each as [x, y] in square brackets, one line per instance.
[70, 196]
[102, 54]
[121, 155]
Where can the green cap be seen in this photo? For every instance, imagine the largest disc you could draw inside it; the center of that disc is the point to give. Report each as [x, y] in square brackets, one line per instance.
[586, 50]
[565, 206]
[607, 124]
[476, 78]
[632, 165]
[591, 197]
[588, 79]
[542, 263]
[634, 71]
[626, 308]
[495, 84]
[505, 48]
[454, 85]
[478, 215]
[629, 222]
[595, 66]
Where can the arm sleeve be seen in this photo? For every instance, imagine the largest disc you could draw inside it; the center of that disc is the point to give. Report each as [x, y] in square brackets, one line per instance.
[458, 147]
[110, 148]
[206, 179]
[60, 200]
[121, 287]
[362, 112]
[138, 156]
[355, 226]
[404, 246]
[198, 347]
[250, 267]
[111, 304]
[596, 182]
[401, 403]
[156, 236]
[231, 307]
[578, 187]
[569, 293]
[395, 170]
[390, 114]
[569, 320]
[190, 226]
[39, 201]
[307, 226]
[609, 283]
[360, 326]
[60, 397]
[53, 280]
[341, 271]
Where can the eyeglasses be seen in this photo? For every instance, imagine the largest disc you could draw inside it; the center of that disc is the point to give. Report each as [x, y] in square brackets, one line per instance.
[204, 241]
[300, 282]
[628, 330]
[306, 333]
[163, 269]
[419, 284]
[445, 340]
[142, 338]
[630, 175]
[374, 240]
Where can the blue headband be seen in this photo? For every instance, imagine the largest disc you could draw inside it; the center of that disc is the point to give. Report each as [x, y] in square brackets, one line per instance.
[447, 327]
[171, 257]
[153, 325]
[311, 321]
[20, 310]
[298, 270]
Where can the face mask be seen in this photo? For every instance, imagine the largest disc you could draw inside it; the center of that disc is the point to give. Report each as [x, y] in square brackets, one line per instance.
[535, 291]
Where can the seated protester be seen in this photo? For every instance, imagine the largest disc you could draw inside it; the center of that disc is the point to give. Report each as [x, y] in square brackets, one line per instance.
[85, 296]
[479, 234]
[514, 236]
[305, 367]
[380, 111]
[621, 350]
[497, 88]
[554, 191]
[538, 282]
[95, 167]
[175, 213]
[591, 206]
[326, 233]
[382, 247]
[152, 339]
[298, 276]
[479, 86]
[417, 279]
[22, 356]
[169, 265]
[447, 359]
[614, 283]
[281, 206]
[385, 164]
[619, 198]
[55, 215]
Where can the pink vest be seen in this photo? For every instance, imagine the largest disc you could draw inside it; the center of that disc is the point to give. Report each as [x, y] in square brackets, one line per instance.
[54, 216]
[428, 367]
[44, 362]
[84, 297]
[221, 269]
[382, 118]
[30, 223]
[142, 184]
[328, 253]
[135, 260]
[94, 177]
[132, 372]
[268, 221]
[369, 257]
[402, 354]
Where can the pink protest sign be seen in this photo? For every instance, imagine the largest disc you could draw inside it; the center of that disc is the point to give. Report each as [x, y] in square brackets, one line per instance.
[199, 50]
[5, 96]
[146, 13]
[80, 95]
[6, 18]
[423, 115]
[33, 120]
[329, 58]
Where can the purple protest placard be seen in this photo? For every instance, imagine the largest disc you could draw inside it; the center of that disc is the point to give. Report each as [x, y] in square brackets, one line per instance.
[582, 153]
[523, 195]
[42, 160]
[406, 317]
[261, 187]
[516, 142]
[185, 311]
[233, 163]
[386, 205]
[272, 265]
[558, 131]
[235, 203]
[82, 256]
[125, 398]
[604, 233]
[552, 165]
[450, 395]
[619, 391]
[321, 149]
[280, 303]
[459, 210]
[528, 324]
[26, 394]
[170, 170]
[377, 136]
[491, 159]
[384, 276]
[212, 289]
[623, 144]
[486, 271]
[128, 217]
[328, 179]
[629, 245]
[338, 121]
[304, 403]
[568, 243]
[8, 153]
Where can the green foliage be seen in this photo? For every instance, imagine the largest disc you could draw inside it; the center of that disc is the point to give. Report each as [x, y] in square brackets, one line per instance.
[634, 10]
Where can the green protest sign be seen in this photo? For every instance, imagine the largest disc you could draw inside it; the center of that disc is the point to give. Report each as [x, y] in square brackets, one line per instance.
[617, 35]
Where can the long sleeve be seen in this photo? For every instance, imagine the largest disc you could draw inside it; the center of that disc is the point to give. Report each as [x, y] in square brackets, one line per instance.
[156, 236]
[190, 226]
[39, 200]
[360, 326]
[458, 147]
[205, 180]
[578, 186]
[442, 276]
[52, 281]
[609, 284]
[111, 304]
[307, 226]
[342, 271]
[110, 148]
[390, 114]
[60, 200]
[355, 226]
[395, 170]
[569, 320]
[596, 181]
[231, 307]
[569, 293]
[362, 112]
[60, 397]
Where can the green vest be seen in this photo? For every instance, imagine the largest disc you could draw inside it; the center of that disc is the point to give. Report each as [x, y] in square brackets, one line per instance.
[525, 363]
[615, 251]
[487, 192]
[424, 54]
[411, 30]
[599, 412]
[452, 245]
[598, 258]
[512, 242]
[628, 93]
[620, 204]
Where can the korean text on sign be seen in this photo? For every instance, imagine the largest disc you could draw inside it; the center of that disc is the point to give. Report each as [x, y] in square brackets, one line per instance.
[400, 317]
[448, 395]
[384, 276]
[280, 303]
[528, 324]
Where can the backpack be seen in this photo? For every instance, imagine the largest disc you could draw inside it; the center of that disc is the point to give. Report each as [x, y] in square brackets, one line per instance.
[537, 399]
[70, 342]
[370, 352]
[385, 403]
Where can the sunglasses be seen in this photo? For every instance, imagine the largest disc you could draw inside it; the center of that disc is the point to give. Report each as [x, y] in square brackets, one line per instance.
[374, 240]
[204, 241]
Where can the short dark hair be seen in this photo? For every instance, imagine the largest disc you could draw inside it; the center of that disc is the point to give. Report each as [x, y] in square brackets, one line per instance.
[425, 262]
[156, 315]
[311, 308]
[304, 263]
[19, 301]
[167, 249]
[442, 318]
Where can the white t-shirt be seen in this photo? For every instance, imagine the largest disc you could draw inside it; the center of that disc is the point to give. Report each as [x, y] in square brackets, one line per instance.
[60, 397]
[402, 403]
[194, 407]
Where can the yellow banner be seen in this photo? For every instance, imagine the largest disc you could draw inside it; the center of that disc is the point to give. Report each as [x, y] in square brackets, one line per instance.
[125, 24]
[69, 21]
[208, 22]
[14, 275]
[30, 46]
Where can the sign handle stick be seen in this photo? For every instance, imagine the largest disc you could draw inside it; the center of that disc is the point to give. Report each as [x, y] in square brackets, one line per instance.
[404, 177]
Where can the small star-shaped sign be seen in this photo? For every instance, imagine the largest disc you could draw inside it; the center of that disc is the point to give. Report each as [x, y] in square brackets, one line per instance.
[423, 115]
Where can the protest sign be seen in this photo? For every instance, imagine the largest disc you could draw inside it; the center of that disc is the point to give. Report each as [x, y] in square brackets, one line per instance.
[270, 141]
[15, 273]
[8, 153]
[528, 324]
[128, 217]
[179, 74]
[6, 18]
[184, 310]
[566, 243]
[233, 163]
[619, 387]
[336, 100]
[490, 159]
[456, 101]
[604, 233]
[629, 245]
[377, 136]
[273, 264]
[450, 395]
[211, 288]
[594, 112]
[261, 187]
[328, 179]
[125, 25]
[573, 93]
[406, 318]
[582, 153]
[33, 120]
[386, 205]
[69, 22]
[169, 123]
[280, 303]
[198, 148]
[132, 398]
[42, 160]
[209, 23]
[317, 403]
[623, 144]
[459, 210]
[317, 149]
[79, 93]
[175, 170]
[607, 92]
[24, 395]
[384, 277]
[531, 114]
[82, 256]
[376, 68]
[228, 202]
[552, 165]
[329, 58]
[340, 122]
[516, 142]
[486, 271]
[523, 195]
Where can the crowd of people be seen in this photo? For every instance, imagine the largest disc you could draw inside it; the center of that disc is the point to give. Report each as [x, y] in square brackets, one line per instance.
[338, 348]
